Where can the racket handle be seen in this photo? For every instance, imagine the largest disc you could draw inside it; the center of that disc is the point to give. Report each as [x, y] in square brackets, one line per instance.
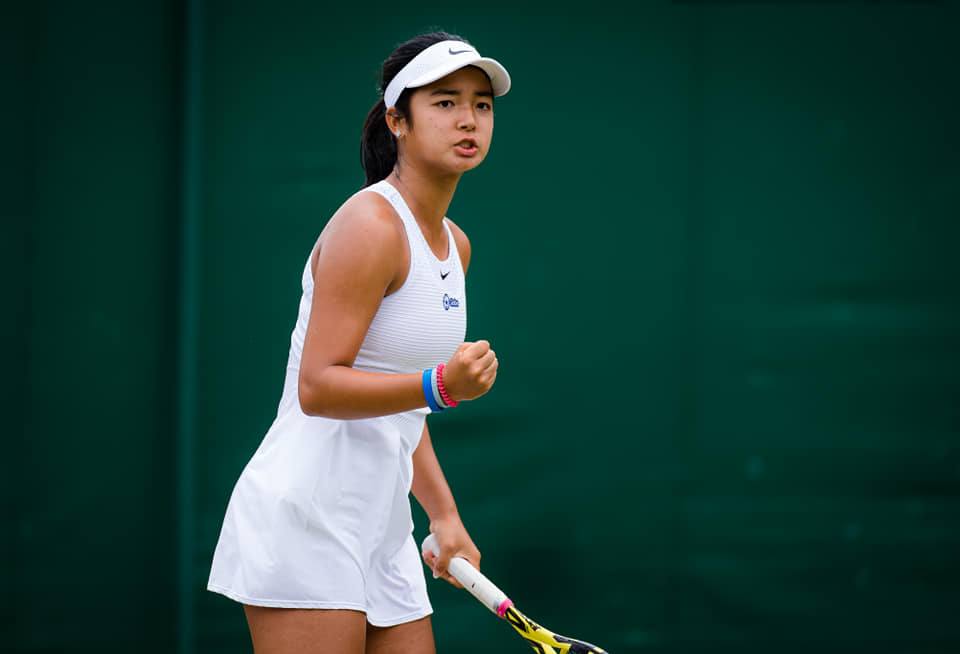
[472, 579]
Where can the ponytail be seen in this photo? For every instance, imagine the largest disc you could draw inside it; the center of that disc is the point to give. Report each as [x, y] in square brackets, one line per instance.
[378, 147]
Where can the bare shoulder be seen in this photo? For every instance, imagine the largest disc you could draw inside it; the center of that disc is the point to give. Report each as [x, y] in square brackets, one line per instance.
[365, 215]
[364, 227]
[463, 243]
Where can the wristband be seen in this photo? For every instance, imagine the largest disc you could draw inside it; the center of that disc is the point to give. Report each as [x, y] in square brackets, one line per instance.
[428, 391]
[443, 391]
[436, 390]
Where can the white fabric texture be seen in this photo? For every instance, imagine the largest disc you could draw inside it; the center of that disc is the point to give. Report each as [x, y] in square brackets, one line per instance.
[320, 516]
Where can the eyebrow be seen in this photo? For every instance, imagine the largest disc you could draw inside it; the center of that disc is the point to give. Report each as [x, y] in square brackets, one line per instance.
[486, 94]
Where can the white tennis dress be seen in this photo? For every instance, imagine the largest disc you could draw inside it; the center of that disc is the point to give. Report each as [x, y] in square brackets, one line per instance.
[320, 517]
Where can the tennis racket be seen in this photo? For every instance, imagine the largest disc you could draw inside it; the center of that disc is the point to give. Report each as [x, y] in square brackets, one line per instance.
[541, 639]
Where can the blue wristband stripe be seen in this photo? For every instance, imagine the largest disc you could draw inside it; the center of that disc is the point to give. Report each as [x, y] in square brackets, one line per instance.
[428, 391]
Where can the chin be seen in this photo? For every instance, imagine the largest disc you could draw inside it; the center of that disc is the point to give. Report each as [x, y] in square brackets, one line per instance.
[469, 163]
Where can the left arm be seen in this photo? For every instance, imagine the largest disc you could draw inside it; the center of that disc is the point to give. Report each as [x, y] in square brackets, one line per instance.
[432, 492]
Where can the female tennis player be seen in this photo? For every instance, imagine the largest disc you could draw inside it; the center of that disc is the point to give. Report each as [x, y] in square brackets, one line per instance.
[317, 538]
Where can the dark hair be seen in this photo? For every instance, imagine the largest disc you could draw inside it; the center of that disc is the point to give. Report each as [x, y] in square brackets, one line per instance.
[378, 147]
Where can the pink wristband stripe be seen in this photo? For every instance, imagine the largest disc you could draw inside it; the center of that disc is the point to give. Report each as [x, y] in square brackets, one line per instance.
[443, 391]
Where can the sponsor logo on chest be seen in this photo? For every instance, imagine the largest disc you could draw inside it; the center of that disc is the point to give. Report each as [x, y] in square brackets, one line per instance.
[450, 302]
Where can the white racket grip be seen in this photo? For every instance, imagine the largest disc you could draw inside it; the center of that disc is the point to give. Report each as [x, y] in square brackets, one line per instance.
[472, 579]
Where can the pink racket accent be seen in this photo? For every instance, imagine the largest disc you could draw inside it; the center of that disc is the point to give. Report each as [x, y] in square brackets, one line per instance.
[504, 605]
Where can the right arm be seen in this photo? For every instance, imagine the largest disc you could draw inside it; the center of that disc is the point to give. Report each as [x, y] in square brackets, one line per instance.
[361, 256]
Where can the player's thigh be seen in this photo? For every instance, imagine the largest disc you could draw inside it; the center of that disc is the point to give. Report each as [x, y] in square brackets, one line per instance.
[408, 638]
[305, 631]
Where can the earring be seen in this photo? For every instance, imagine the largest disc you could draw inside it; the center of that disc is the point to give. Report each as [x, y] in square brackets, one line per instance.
[399, 133]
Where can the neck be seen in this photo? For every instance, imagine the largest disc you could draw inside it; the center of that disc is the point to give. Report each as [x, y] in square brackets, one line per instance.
[427, 196]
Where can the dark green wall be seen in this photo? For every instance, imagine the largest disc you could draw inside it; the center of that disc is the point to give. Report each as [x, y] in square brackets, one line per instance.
[712, 246]
[92, 211]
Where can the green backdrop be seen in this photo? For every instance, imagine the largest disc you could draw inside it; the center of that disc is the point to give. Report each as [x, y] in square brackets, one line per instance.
[713, 246]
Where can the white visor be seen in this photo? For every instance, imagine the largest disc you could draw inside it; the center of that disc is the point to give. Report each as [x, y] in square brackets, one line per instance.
[441, 59]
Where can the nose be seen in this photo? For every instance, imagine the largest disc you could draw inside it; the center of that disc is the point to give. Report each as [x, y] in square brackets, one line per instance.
[467, 119]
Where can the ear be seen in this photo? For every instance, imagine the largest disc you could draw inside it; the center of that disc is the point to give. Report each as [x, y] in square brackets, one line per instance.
[395, 121]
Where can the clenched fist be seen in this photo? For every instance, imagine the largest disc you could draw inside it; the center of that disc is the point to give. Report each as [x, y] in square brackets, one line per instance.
[471, 371]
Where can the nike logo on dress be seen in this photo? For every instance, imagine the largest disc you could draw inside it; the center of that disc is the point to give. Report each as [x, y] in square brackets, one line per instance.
[443, 275]
[456, 52]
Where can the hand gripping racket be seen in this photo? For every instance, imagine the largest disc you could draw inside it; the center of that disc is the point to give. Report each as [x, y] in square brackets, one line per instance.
[541, 639]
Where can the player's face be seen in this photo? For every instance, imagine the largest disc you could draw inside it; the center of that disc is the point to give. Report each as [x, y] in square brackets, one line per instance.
[452, 122]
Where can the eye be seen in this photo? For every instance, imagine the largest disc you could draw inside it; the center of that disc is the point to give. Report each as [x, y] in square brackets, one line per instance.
[484, 106]
[445, 103]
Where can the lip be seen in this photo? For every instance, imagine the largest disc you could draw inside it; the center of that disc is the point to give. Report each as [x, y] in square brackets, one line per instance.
[467, 147]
